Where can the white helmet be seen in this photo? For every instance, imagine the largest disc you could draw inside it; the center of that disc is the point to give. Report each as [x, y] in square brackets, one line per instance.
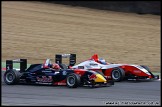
[102, 61]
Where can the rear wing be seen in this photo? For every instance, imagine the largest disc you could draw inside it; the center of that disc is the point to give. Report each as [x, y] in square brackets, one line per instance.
[72, 58]
[23, 64]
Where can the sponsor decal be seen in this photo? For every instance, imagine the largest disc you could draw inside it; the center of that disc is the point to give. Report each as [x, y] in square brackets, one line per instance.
[60, 83]
[93, 64]
[44, 79]
[64, 73]
[80, 67]
[108, 76]
[63, 82]
[137, 71]
[92, 77]
[65, 55]
[8, 68]
[45, 83]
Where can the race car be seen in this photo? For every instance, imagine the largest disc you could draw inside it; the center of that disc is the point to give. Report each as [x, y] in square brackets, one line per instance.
[116, 72]
[50, 74]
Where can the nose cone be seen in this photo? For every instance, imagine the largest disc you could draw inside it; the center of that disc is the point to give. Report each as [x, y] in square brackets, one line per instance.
[99, 78]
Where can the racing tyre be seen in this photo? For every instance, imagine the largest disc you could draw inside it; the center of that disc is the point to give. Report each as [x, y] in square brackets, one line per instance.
[11, 77]
[118, 74]
[73, 80]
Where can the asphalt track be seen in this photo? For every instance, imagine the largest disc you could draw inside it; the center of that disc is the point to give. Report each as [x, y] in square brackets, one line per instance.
[122, 93]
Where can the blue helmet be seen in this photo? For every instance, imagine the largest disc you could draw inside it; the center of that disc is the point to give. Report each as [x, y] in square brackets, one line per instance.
[102, 61]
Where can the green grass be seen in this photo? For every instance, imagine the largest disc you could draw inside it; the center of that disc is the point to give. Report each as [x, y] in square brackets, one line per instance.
[15, 65]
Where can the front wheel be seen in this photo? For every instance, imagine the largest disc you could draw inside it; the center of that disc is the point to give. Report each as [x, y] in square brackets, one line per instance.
[118, 74]
[73, 80]
[11, 77]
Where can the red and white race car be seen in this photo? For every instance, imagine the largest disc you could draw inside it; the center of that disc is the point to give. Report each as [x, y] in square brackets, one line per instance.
[117, 72]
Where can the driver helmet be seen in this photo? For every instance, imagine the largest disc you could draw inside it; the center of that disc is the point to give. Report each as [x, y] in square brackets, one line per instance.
[102, 61]
[55, 66]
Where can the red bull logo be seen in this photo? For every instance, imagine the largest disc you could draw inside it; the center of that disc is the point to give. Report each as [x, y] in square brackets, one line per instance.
[92, 77]
[44, 79]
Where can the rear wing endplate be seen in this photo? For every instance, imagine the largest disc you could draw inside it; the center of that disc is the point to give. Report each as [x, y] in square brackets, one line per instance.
[23, 64]
[72, 58]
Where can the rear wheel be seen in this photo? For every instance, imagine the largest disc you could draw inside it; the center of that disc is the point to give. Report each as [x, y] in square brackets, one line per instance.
[118, 74]
[11, 77]
[73, 80]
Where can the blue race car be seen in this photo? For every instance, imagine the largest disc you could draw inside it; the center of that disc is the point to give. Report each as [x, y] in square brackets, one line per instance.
[45, 74]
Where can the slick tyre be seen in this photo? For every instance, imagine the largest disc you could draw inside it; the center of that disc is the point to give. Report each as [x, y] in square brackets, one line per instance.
[118, 74]
[11, 77]
[73, 80]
